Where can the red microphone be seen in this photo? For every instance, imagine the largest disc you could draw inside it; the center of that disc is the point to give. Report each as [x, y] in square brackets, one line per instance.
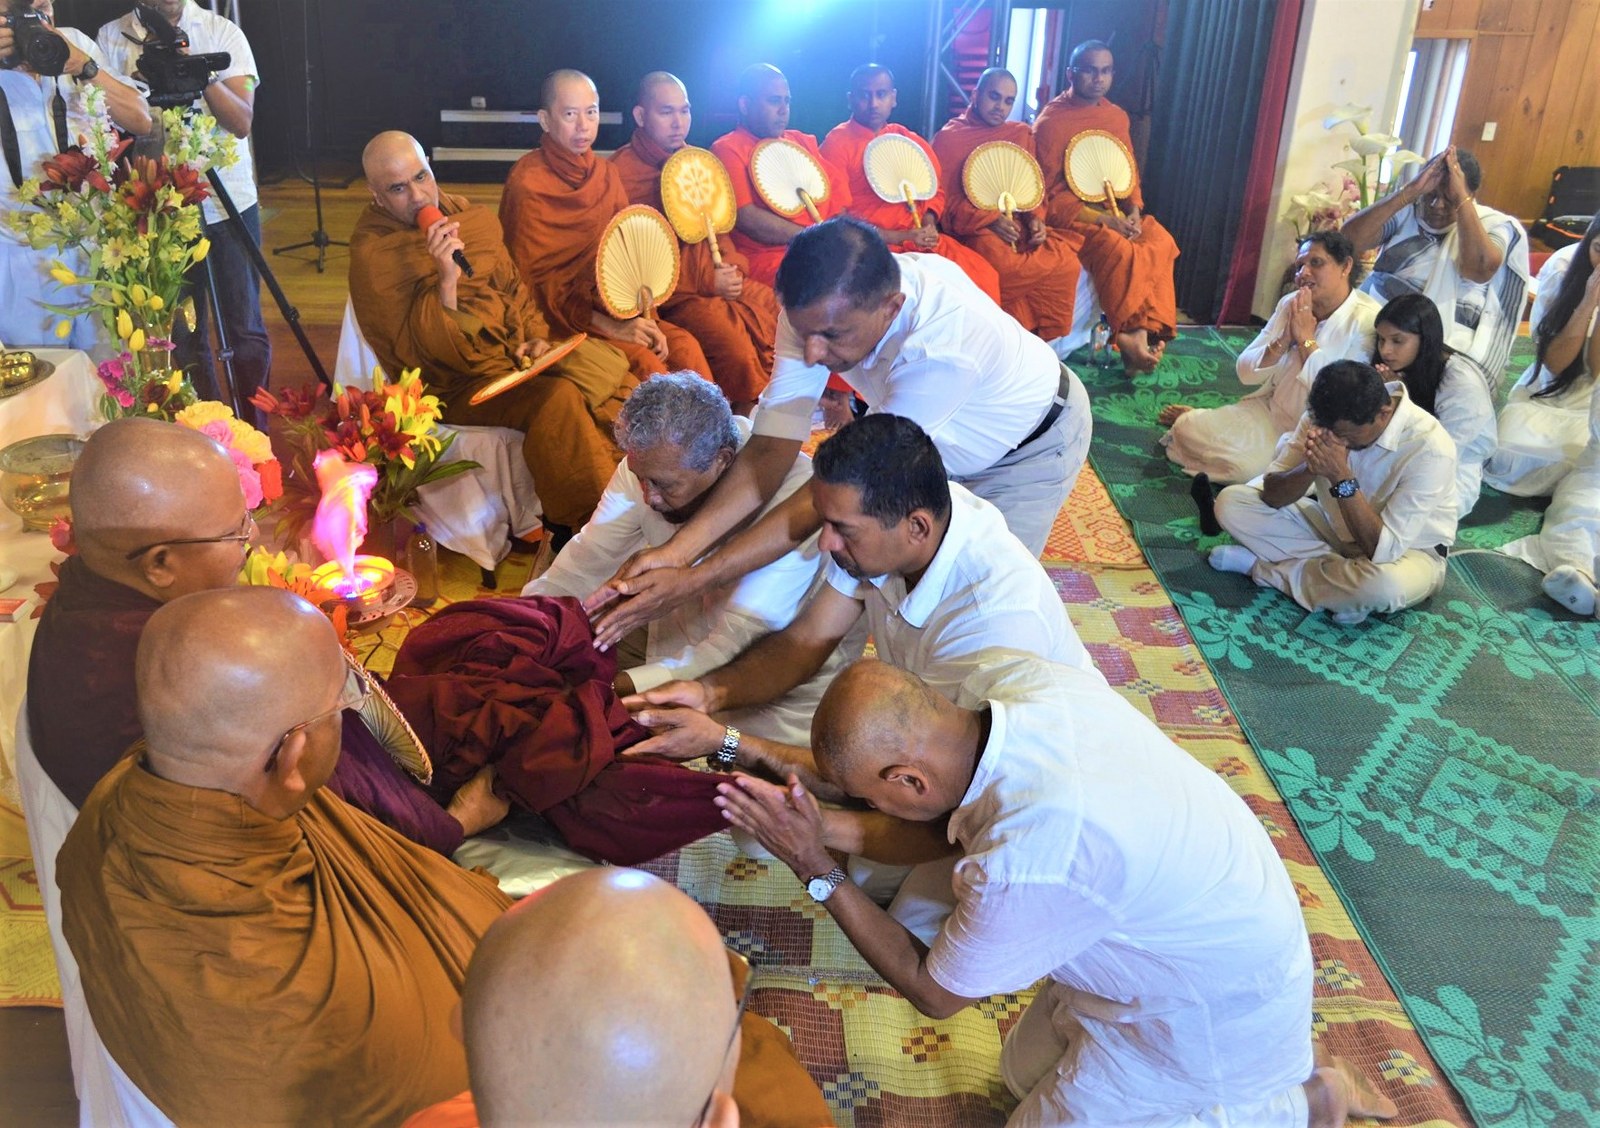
[427, 216]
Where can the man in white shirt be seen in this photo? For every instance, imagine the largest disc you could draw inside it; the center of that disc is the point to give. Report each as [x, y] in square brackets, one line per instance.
[914, 336]
[1096, 854]
[930, 566]
[230, 98]
[40, 116]
[678, 436]
[1380, 520]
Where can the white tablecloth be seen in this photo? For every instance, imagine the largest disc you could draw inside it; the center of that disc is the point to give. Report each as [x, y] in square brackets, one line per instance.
[64, 403]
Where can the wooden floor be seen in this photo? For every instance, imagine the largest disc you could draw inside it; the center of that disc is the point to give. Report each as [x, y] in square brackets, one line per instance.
[35, 1072]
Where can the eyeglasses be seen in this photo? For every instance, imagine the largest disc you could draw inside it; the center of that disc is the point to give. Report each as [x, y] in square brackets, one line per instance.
[733, 1037]
[246, 531]
[354, 695]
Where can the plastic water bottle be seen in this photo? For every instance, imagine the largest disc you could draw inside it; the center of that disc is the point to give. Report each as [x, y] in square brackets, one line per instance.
[1100, 344]
[422, 561]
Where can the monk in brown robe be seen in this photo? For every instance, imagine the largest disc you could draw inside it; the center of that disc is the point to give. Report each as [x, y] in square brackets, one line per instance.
[557, 202]
[872, 98]
[1130, 256]
[762, 234]
[1037, 267]
[253, 949]
[418, 309]
[157, 513]
[606, 998]
[732, 316]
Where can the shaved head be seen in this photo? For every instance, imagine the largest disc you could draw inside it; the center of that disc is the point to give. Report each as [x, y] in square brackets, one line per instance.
[764, 100]
[872, 95]
[550, 88]
[668, 83]
[569, 110]
[222, 674]
[757, 77]
[605, 998]
[661, 110]
[994, 96]
[870, 70]
[399, 176]
[141, 482]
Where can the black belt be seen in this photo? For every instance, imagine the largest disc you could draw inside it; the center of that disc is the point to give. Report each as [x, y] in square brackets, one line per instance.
[1056, 407]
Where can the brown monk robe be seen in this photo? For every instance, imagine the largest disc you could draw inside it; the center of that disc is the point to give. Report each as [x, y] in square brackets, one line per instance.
[1131, 257]
[871, 100]
[1037, 268]
[734, 317]
[417, 309]
[254, 950]
[557, 202]
[608, 998]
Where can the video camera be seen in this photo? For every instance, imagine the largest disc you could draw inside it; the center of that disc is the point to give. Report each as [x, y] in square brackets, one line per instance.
[174, 78]
[34, 45]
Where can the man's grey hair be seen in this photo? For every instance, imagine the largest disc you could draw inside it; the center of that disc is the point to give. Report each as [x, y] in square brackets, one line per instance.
[681, 408]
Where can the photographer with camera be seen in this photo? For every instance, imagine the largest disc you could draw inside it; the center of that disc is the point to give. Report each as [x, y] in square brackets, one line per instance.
[44, 73]
[168, 30]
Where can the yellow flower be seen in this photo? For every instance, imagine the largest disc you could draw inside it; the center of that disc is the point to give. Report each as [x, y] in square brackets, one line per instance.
[151, 408]
[197, 415]
[175, 381]
[124, 324]
[62, 275]
[63, 329]
[156, 303]
[201, 249]
[138, 294]
[250, 442]
[136, 341]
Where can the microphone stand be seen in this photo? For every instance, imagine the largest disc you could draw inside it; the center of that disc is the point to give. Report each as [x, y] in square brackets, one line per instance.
[319, 237]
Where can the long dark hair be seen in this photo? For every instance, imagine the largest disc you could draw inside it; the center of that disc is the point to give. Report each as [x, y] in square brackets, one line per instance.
[1416, 313]
[1562, 309]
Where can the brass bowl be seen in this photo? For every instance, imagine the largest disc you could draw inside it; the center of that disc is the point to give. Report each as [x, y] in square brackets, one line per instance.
[35, 476]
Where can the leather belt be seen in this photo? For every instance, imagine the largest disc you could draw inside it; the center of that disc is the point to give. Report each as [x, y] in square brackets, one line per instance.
[1057, 405]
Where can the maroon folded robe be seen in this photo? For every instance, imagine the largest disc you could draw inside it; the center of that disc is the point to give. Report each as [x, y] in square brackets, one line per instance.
[519, 684]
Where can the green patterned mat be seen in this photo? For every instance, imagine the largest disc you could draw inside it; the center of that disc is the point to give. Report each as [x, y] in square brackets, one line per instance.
[1444, 763]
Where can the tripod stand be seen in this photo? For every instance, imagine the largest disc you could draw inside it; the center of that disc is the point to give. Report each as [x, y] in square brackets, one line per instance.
[319, 237]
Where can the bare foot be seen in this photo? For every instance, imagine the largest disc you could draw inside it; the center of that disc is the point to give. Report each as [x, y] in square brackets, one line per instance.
[1169, 414]
[1337, 1088]
[1134, 345]
[1325, 1099]
[1158, 349]
[475, 806]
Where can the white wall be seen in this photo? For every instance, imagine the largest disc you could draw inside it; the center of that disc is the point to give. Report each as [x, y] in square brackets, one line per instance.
[1349, 51]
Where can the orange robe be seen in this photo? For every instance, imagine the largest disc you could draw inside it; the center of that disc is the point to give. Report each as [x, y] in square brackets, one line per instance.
[1133, 277]
[279, 971]
[554, 210]
[734, 150]
[566, 413]
[846, 147]
[1038, 286]
[737, 335]
[770, 1086]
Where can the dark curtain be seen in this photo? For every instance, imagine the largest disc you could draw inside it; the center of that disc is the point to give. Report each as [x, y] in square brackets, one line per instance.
[1203, 139]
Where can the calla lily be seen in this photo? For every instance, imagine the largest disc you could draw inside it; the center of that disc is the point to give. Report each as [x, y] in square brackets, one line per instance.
[1349, 112]
[1402, 157]
[1355, 166]
[1374, 144]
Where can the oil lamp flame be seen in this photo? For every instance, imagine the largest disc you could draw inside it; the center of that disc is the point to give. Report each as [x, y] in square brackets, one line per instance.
[340, 523]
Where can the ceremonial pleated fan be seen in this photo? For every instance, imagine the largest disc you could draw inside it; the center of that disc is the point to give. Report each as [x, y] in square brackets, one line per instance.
[898, 169]
[788, 178]
[558, 351]
[1100, 168]
[697, 195]
[637, 264]
[1003, 177]
[384, 721]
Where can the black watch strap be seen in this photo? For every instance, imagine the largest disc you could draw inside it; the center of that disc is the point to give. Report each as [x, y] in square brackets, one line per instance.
[87, 74]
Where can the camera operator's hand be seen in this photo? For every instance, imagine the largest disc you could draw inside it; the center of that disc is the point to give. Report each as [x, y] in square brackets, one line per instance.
[444, 240]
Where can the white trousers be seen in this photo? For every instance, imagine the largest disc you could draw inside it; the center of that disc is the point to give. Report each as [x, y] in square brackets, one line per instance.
[1299, 555]
[1232, 443]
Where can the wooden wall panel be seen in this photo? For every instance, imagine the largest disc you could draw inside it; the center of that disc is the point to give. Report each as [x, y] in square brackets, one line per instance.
[1531, 70]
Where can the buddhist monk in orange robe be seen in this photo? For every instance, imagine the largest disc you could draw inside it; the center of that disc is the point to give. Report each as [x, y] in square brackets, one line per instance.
[252, 949]
[418, 309]
[1129, 256]
[613, 958]
[555, 208]
[762, 234]
[732, 316]
[872, 99]
[1037, 267]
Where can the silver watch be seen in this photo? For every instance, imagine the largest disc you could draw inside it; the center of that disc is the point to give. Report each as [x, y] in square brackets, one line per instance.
[820, 888]
[725, 757]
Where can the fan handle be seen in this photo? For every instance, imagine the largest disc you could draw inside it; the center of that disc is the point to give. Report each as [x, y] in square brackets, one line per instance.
[911, 202]
[1111, 200]
[805, 198]
[711, 234]
[647, 303]
[1008, 205]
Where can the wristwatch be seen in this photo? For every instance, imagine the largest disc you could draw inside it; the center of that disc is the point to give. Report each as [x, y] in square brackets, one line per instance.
[821, 887]
[725, 757]
[1345, 488]
[86, 74]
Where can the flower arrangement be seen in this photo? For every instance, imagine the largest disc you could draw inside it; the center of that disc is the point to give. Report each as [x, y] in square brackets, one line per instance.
[260, 475]
[1375, 155]
[263, 568]
[134, 226]
[392, 428]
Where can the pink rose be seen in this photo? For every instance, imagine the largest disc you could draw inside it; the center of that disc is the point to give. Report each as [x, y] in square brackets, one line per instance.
[249, 477]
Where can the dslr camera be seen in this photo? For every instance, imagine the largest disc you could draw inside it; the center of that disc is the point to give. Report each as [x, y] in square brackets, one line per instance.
[35, 46]
[174, 78]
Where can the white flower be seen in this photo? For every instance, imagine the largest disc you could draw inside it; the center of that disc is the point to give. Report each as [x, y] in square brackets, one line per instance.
[1374, 144]
[1349, 112]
